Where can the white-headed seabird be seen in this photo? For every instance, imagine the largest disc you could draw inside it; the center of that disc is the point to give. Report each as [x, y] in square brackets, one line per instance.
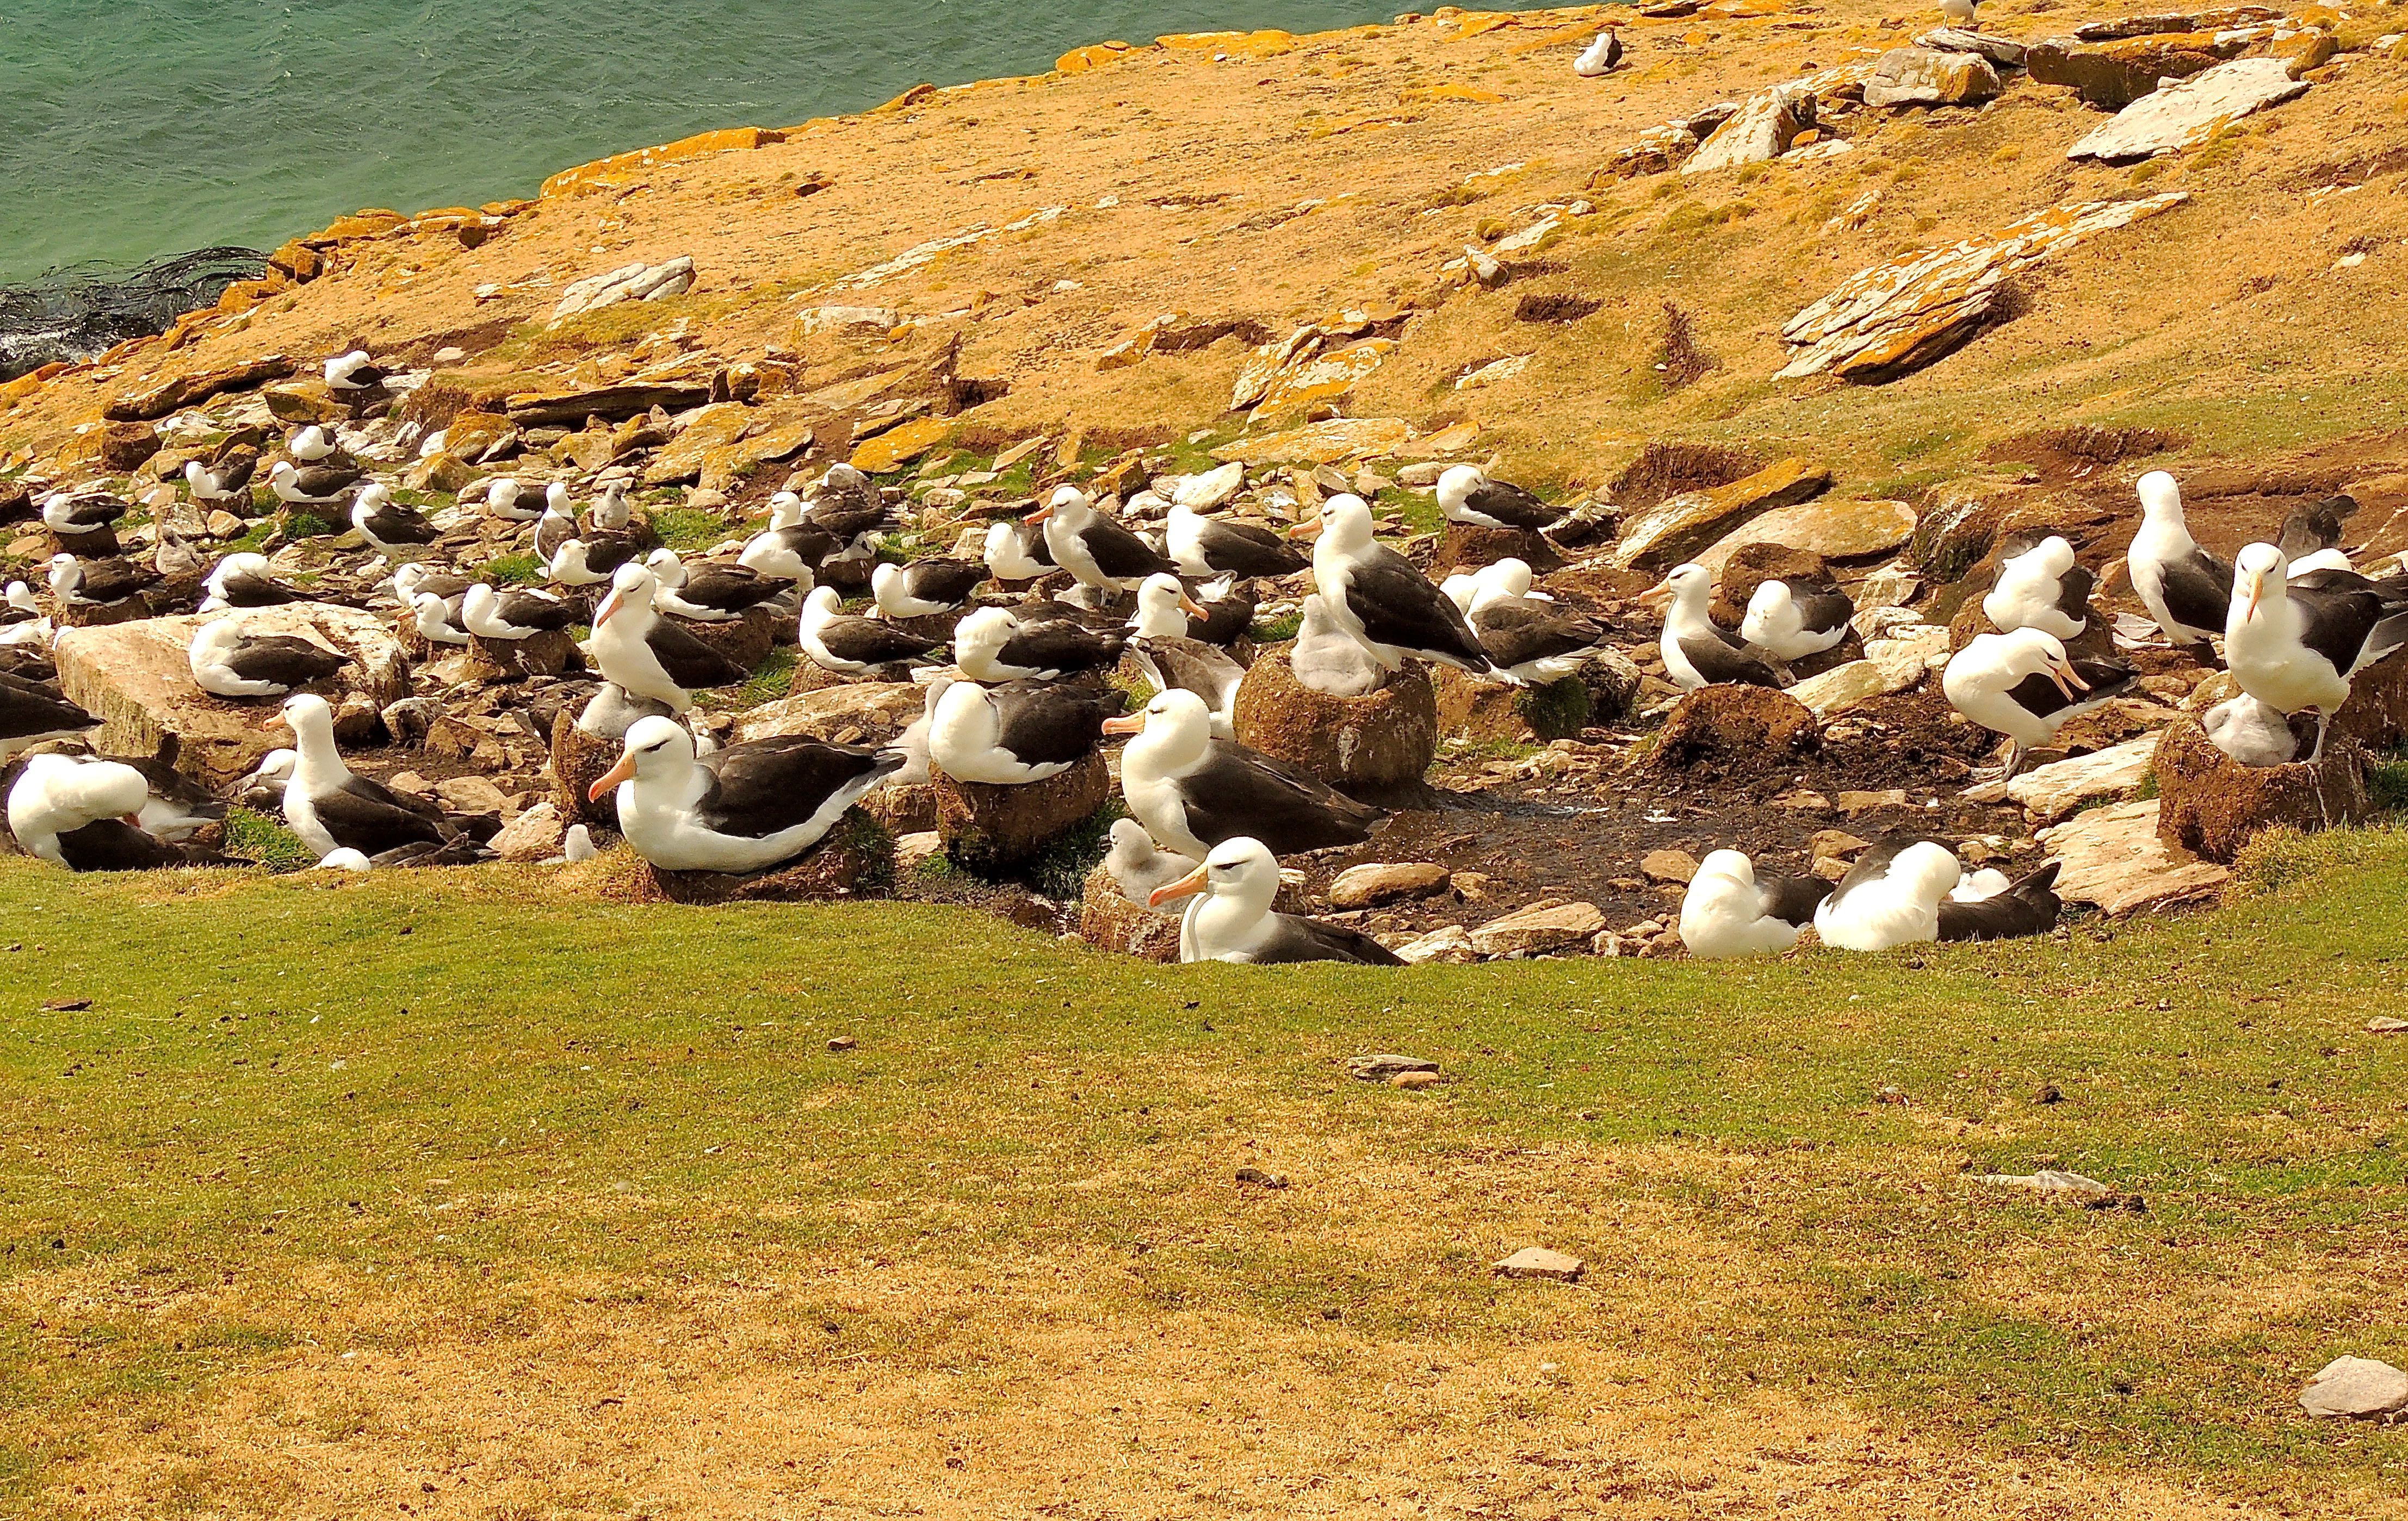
[2294, 642]
[849, 645]
[316, 486]
[392, 529]
[2040, 587]
[1891, 896]
[646, 656]
[1016, 552]
[1728, 911]
[993, 644]
[244, 581]
[2186, 590]
[1793, 620]
[744, 807]
[97, 583]
[2027, 906]
[228, 480]
[1532, 641]
[1191, 790]
[1096, 550]
[2022, 685]
[925, 588]
[73, 515]
[1236, 922]
[1466, 494]
[332, 809]
[1205, 548]
[354, 372]
[519, 502]
[1375, 594]
[1698, 651]
[510, 617]
[707, 592]
[86, 816]
[34, 711]
[1138, 866]
[229, 662]
[310, 445]
[1019, 731]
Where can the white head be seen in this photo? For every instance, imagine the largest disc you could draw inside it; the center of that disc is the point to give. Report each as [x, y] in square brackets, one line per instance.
[308, 444]
[244, 563]
[1925, 870]
[100, 789]
[2029, 652]
[1511, 575]
[1241, 872]
[1068, 503]
[312, 722]
[214, 638]
[1164, 606]
[2160, 498]
[666, 568]
[1344, 524]
[194, 476]
[657, 750]
[1731, 865]
[2259, 573]
[631, 585]
[1172, 729]
[886, 584]
[479, 604]
[982, 636]
[21, 596]
[434, 618]
[407, 579]
[820, 606]
[1456, 483]
[64, 574]
[785, 510]
[345, 859]
[1687, 587]
[2052, 556]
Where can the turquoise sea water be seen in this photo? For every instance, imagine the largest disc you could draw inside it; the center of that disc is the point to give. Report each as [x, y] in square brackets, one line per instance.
[135, 128]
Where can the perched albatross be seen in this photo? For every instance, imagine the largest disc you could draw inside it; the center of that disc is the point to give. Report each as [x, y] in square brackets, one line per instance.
[741, 808]
[2293, 642]
[438, 619]
[1597, 59]
[1096, 550]
[1191, 790]
[73, 515]
[849, 646]
[1698, 651]
[330, 809]
[2027, 906]
[86, 816]
[97, 583]
[1205, 548]
[2188, 591]
[588, 560]
[846, 502]
[354, 372]
[1532, 641]
[1236, 923]
[2040, 587]
[1019, 732]
[1791, 620]
[34, 711]
[228, 480]
[612, 511]
[1891, 896]
[524, 503]
[992, 644]
[1726, 911]
[1375, 594]
[708, 593]
[645, 655]
[244, 581]
[229, 662]
[925, 588]
[310, 445]
[392, 529]
[514, 615]
[2022, 685]
[1466, 494]
[1015, 552]
[1173, 662]
[318, 486]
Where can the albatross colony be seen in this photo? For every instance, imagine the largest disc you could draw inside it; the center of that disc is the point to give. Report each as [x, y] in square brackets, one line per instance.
[1330, 726]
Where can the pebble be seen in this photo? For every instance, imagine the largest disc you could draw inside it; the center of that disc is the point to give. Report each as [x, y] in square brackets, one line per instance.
[1673, 866]
[2383, 1024]
[1375, 883]
[1415, 1080]
[841, 1042]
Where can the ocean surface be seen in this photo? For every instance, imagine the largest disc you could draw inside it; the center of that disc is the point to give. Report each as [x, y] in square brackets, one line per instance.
[133, 129]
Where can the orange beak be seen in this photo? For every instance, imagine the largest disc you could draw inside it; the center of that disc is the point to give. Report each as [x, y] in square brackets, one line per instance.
[610, 605]
[1186, 887]
[2256, 590]
[1659, 595]
[611, 779]
[1127, 724]
[2069, 674]
[1192, 607]
[1039, 514]
[1307, 529]
[134, 819]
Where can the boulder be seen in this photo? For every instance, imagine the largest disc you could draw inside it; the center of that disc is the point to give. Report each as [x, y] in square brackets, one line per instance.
[1754, 724]
[856, 857]
[2184, 115]
[549, 653]
[2001, 51]
[857, 713]
[2357, 1388]
[1674, 529]
[629, 282]
[1612, 679]
[572, 408]
[747, 640]
[1468, 545]
[1382, 740]
[2114, 860]
[1750, 566]
[1448, 944]
[2210, 805]
[304, 401]
[125, 445]
[1000, 830]
[1761, 128]
[534, 835]
[1895, 317]
[1550, 924]
[1372, 884]
[173, 396]
[1831, 530]
[136, 679]
[1931, 77]
[2064, 788]
[1654, 151]
[2112, 77]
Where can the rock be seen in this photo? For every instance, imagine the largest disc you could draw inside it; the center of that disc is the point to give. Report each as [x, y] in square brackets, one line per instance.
[1214, 487]
[2114, 860]
[1760, 130]
[1729, 722]
[1371, 885]
[2357, 1388]
[898, 446]
[1448, 943]
[1261, 1179]
[2113, 78]
[223, 525]
[534, 835]
[1674, 529]
[472, 795]
[574, 406]
[1843, 687]
[1321, 442]
[549, 653]
[746, 641]
[1547, 925]
[579, 759]
[304, 401]
[1470, 545]
[909, 808]
[1675, 867]
[1539, 1262]
[1999, 51]
[1852, 804]
[1415, 1082]
[2049, 1183]
[1472, 708]
[1894, 319]
[996, 831]
[2376, 713]
[1850, 530]
[1387, 1064]
[175, 396]
[857, 713]
[1109, 921]
[851, 321]
[2383, 1024]
[629, 282]
[1385, 739]
[1930, 76]
[2187, 114]
[2210, 805]
[1907, 653]
[136, 679]
[1836, 842]
[1654, 151]
[2063, 788]
[857, 857]
[125, 445]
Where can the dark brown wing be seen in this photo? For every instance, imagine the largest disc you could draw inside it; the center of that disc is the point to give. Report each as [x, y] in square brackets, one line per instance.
[1120, 554]
[1043, 723]
[1249, 549]
[284, 660]
[688, 660]
[1239, 791]
[1058, 645]
[369, 817]
[1399, 607]
[755, 789]
[1296, 939]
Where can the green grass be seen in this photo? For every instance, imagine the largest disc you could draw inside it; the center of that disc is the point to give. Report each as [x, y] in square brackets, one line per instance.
[503, 1114]
[687, 529]
[256, 837]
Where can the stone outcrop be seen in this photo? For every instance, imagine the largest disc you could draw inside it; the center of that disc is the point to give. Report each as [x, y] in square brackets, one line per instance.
[2063, 788]
[1931, 77]
[2001, 52]
[2188, 114]
[2112, 859]
[859, 713]
[2210, 805]
[1894, 319]
[2357, 1389]
[1551, 924]
[2111, 76]
[1382, 740]
[173, 396]
[136, 679]
[1674, 529]
[1761, 128]
[1754, 724]
[999, 831]
[629, 282]
[1832, 530]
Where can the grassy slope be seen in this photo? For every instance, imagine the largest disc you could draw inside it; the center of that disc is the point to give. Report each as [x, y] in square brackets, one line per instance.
[299, 1120]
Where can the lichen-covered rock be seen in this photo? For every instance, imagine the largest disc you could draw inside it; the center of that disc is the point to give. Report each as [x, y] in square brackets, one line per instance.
[1674, 529]
[855, 858]
[172, 396]
[1476, 709]
[125, 445]
[2111, 76]
[1761, 128]
[1469, 546]
[136, 677]
[999, 831]
[851, 713]
[1895, 317]
[1834, 530]
[1931, 77]
[1654, 151]
[1382, 740]
[2187, 114]
[1754, 724]
[2210, 805]
[547, 653]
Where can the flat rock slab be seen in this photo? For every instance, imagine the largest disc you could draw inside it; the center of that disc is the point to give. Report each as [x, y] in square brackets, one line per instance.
[2184, 115]
[2358, 1389]
[1539, 1262]
[1672, 529]
[1895, 317]
[1379, 882]
[136, 679]
[1384, 1065]
[2001, 52]
[1931, 77]
[2113, 860]
[856, 713]
[1849, 530]
[2049, 1183]
[1762, 129]
[1544, 926]
[2061, 789]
